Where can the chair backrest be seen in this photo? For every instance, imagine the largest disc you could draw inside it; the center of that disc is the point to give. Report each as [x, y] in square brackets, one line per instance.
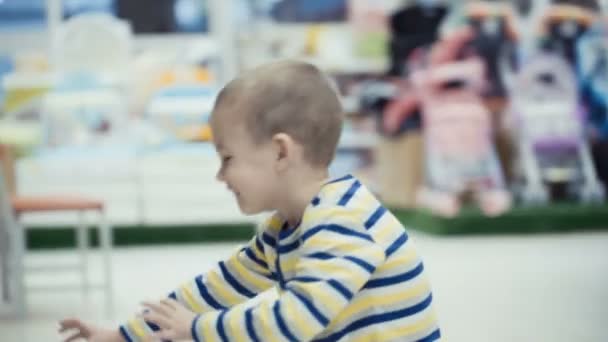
[97, 43]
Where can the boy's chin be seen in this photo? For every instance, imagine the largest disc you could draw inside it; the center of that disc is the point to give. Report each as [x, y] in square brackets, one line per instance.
[250, 210]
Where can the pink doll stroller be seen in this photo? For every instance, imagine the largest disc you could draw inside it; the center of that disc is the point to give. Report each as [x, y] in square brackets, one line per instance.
[460, 155]
[551, 133]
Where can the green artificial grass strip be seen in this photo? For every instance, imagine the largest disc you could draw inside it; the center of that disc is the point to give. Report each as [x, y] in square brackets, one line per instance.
[560, 217]
[62, 237]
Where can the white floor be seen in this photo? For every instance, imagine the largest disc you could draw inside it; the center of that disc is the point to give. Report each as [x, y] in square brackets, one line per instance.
[501, 288]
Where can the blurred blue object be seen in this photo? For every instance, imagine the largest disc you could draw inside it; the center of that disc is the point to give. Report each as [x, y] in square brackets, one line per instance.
[22, 14]
[309, 10]
[6, 66]
[593, 78]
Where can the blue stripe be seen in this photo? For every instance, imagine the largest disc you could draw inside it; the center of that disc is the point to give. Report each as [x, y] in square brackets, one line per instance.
[350, 193]
[312, 309]
[249, 324]
[259, 244]
[336, 229]
[306, 279]
[341, 288]
[153, 326]
[255, 259]
[287, 231]
[399, 278]
[326, 256]
[125, 334]
[288, 248]
[332, 282]
[434, 336]
[234, 282]
[367, 266]
[379, 318]
[277, 266]
[193, 329]
[396, 244]
[347, 177]
[202, 290]
[281, 323]
[219, 325]
[320, 255]
[269, 240]
[375, 217]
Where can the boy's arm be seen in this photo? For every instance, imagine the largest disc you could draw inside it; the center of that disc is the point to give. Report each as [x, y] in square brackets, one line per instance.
[334, 264]
[231, 282]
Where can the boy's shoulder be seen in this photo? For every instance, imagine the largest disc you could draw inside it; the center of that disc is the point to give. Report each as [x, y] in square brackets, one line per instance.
[345, 201]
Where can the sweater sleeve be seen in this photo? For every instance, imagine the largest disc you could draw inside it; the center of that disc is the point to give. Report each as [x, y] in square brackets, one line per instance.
[230, 282]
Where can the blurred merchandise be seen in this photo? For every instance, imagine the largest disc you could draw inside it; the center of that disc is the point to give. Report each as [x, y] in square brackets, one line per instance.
[549, 125]
[495, 40]
[459, 152]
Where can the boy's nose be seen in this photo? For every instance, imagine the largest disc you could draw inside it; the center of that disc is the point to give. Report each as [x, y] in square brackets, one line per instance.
[220, 175]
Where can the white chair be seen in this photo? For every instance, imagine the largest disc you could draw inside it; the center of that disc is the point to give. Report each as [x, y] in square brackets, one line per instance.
[13, 246]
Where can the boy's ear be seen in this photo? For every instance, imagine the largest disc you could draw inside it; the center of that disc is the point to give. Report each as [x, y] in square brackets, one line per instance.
[284, 147]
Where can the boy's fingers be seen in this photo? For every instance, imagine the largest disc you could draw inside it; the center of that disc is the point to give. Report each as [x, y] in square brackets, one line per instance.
[167, 334]
[74, 337]
[70, 322]
[157, 319]
[168, 304]
[155, 308]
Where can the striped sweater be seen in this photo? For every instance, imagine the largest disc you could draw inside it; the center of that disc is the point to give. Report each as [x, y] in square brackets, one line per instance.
[347, 272]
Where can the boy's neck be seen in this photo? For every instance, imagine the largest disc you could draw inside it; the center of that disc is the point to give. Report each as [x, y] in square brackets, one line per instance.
[300, 193]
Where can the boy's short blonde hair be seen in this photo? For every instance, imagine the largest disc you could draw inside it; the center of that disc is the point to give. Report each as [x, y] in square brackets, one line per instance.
[288, 97]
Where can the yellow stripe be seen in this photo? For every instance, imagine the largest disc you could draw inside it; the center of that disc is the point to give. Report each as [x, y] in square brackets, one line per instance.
[381, 233]
[221, 287]
[400, 261]
[243, 272]
[275, 222]
[194, 305]
[206, 327]
[137, 328]
[336, 270]
[355, 248]
[300, 323]
[321, 296]
[400, 332]
[258, 253]
[288, 265]
[236, 327]
[422, 325]
[329, 245]
[379, 299]
[264, 312]
[315, 217]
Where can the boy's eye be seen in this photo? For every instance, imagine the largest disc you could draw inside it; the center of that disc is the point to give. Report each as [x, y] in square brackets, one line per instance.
[226, 159]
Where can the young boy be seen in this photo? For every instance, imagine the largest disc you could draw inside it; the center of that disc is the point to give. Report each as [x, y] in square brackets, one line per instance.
[342, 265]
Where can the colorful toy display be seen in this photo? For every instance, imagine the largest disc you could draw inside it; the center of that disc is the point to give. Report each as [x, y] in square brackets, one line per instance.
[549, 127]
[460, 156]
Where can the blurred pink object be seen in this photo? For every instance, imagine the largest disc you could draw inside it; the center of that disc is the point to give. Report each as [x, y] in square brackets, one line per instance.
[460, 155]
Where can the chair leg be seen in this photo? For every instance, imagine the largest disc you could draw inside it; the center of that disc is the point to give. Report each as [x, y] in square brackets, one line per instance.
[83, 246]
[18, 270]
[106, 241]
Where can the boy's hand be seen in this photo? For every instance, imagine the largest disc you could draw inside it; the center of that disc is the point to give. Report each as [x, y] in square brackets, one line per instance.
[174, 320]
[88, 332]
